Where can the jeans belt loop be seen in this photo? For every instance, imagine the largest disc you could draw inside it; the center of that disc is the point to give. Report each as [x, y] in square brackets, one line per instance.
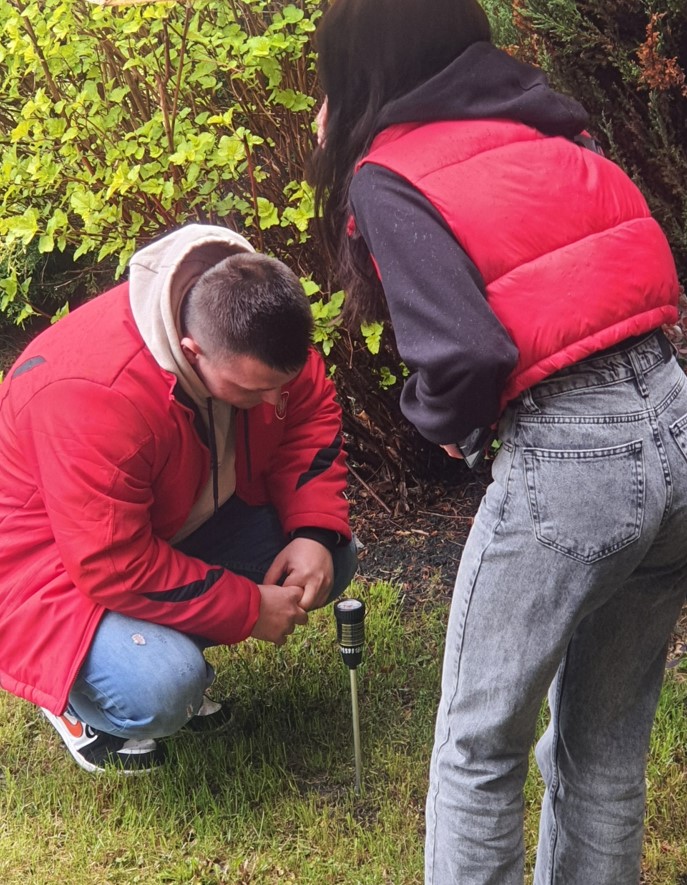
[528, 401]
[667, 348]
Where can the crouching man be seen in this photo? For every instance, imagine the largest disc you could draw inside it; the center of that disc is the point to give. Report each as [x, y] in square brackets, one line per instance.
[172, 478]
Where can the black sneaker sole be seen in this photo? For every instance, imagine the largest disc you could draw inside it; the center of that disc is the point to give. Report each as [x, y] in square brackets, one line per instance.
[214, 722]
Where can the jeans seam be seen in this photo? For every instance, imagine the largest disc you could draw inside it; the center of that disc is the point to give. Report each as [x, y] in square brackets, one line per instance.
[555, 777]
[464, 616]
[665, 467]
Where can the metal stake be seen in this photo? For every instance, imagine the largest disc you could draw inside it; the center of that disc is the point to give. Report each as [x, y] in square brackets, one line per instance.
[356, 731]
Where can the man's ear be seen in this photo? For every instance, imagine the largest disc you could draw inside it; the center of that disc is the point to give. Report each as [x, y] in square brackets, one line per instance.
[191, 349]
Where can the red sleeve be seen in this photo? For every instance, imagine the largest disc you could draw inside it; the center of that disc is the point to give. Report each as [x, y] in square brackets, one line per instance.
[93, 453]
[308, 474]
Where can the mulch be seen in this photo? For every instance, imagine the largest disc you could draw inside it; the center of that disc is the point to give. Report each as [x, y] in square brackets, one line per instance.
[415, 540]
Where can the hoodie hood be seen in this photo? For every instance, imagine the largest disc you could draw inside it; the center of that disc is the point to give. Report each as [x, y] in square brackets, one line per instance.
[160, 275]
[486, 83]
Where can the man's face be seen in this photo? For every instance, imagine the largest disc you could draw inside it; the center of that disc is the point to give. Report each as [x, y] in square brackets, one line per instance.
[241, 381]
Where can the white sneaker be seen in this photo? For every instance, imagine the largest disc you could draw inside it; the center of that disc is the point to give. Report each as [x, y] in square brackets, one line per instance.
[95, 750]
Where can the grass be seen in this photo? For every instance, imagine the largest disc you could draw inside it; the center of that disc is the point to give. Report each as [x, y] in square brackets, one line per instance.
[272, 799]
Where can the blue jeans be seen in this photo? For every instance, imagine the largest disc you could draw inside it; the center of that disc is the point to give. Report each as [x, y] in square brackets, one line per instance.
[144, 680]
[571, 581]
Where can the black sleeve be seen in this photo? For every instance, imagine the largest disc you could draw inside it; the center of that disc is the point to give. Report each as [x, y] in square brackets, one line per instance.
[326, 537]
[457, 351]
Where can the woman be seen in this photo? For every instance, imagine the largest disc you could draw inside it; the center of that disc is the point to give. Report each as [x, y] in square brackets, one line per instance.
[526, 283]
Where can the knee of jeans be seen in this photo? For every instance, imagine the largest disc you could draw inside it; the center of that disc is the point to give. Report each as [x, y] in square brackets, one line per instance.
[169, 697]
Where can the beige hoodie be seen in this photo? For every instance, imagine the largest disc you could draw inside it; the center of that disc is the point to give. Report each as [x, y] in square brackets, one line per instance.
[160, 275]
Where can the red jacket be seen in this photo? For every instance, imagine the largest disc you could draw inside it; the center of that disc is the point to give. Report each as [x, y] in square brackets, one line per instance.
[101, 466]
[572, 260]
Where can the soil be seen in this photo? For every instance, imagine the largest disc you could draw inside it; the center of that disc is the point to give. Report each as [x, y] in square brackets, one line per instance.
[416, 540]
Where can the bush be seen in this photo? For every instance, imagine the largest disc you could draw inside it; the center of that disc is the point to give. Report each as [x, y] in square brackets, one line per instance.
[119, 123]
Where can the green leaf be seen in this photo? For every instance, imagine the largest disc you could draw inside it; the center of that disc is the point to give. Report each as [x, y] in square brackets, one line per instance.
[82, 202]
[59, 313]
[21, 130]
[386, 378]
[372, 333]
[268, 214]
[292, 14]
[294, 101]
[87, 245]
[23, 228]
[25, 312]
[9, 287]
[310, 287]
[46, 243]
[231, 150]
[261, 47]
[192, 174]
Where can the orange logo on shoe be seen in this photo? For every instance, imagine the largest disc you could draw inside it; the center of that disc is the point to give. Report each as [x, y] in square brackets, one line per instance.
[75, 729]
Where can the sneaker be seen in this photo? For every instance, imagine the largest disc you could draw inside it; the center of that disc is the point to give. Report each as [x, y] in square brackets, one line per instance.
[212, 716]
[95, 750]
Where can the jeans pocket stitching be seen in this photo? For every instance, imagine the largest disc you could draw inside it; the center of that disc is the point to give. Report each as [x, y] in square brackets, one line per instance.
[539, 511]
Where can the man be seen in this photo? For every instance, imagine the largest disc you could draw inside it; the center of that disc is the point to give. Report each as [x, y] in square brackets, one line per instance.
[172, 478]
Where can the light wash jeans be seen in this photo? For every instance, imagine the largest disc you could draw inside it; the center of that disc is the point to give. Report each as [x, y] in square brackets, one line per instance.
[143, 680]
[571, 581]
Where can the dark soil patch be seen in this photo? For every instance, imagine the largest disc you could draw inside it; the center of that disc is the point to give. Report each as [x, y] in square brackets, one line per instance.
[416, 540]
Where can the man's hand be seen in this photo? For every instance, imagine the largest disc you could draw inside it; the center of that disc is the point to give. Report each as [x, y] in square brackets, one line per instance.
[307, 564]
[280, 611]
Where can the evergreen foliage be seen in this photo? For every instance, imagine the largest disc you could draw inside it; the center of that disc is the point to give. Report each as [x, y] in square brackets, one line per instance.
[626, 62]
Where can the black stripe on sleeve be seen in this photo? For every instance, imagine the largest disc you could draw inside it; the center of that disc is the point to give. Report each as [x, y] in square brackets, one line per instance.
[187, 591]
[322, 461]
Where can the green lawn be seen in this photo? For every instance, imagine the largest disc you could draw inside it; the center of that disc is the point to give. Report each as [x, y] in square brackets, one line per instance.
[272, 799]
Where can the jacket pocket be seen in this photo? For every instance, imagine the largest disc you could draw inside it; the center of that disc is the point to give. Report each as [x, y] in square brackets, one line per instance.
[586, 504]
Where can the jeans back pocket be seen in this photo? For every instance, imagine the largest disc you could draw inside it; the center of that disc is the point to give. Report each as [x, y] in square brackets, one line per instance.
[586, 503]
[679, 430]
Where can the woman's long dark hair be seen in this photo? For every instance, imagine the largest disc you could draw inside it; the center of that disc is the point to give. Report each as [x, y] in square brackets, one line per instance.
[369, 53]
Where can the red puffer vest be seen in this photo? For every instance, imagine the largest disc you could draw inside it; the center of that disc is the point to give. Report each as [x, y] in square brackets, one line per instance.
[572, 260]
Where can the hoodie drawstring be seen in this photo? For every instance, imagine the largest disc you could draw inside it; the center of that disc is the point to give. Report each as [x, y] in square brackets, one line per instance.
[246, 446]
[213, 454]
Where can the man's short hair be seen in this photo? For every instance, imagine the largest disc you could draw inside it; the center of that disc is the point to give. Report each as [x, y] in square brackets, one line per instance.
[250, 305]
